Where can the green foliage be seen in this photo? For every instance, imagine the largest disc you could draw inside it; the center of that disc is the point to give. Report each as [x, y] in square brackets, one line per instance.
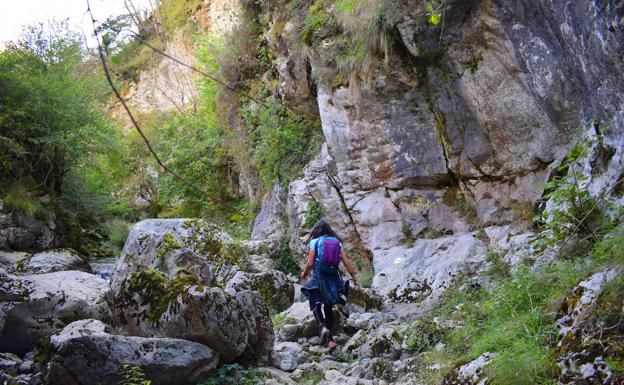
[311, 378]
[175, 14]
[365, 272]
[611, 248]
[133, 57]
[233, 374]
[282, 140]
[422, 334]
[516, 319]
[285, 261]
[575, 210]
[280, 319]
[117, 230]
[132, 375]
[57, 141]
[314, 212]
[498, 266]
[319, 22]
[406, 229]
[434, 16]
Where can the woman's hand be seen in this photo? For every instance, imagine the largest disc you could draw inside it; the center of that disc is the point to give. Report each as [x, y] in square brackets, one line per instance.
[304, 274]
[356, 284]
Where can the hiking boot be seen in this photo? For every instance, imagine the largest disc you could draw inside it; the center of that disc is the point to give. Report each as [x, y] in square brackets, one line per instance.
[324, 336]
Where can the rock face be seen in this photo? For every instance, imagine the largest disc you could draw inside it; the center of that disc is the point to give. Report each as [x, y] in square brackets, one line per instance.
[580, 322]
[442, 139]
[85, 353]
[35, 306]
[51, 261]
[270, 223]
[427, 268]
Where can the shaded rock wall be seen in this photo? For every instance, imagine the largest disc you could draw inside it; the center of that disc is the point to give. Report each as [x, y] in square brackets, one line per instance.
[462, 126]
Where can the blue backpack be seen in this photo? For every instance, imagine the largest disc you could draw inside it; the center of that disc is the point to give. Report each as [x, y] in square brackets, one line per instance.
[327, 250]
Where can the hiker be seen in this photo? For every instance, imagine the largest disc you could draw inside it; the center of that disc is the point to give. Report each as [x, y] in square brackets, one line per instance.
[325, 287]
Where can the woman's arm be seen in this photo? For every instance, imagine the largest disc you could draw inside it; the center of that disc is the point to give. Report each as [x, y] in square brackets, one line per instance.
[309, 264]
[349, 267]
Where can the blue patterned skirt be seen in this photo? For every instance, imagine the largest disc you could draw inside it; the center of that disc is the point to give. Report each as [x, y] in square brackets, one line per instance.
[323, 288]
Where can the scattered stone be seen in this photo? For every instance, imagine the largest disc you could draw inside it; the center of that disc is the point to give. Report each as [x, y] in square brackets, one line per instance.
[284, 355]
[10, 363]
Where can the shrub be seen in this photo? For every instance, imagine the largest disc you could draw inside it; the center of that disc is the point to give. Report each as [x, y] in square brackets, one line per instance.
[286, 261]
[516, 319]
[233, 374]
[314, 212]
[132, 375]
[117, 232]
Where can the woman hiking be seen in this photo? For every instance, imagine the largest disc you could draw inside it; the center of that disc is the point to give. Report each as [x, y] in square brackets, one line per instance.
[323, 289]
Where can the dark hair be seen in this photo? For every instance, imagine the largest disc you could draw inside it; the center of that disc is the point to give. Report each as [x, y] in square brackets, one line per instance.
[321, 228]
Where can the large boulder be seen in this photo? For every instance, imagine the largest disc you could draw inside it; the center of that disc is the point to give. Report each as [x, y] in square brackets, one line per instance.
[409, 274]
[35, 306]
[274, 287]
[171, 245]
[51, 261]
[236, 325]
[85, 353]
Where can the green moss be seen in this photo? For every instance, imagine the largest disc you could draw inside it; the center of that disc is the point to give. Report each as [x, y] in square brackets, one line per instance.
[45, 352]
[473, 63]
[168, 245]
[320, 22]
[285, 261]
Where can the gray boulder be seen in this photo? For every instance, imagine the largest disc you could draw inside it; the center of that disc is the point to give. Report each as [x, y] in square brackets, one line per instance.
[171, 245]
[51, 261]
[274, 287]
[35, 306]
[298, 322]
[237, 325]
[85, 353]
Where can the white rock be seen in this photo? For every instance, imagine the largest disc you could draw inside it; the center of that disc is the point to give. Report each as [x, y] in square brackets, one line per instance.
[284, 355]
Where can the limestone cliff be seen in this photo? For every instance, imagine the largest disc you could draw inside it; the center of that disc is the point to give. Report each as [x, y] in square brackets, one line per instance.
[458, 130]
